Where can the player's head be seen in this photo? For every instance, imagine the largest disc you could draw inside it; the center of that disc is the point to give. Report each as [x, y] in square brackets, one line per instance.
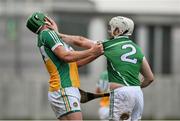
[36, 21]
[119, 26]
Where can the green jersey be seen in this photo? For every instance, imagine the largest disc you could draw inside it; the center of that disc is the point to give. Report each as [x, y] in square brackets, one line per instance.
[62, 74]
[124, 59]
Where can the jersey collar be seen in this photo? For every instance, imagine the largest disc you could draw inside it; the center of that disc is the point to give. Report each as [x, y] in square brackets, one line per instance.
[118, 37]
[116, 41]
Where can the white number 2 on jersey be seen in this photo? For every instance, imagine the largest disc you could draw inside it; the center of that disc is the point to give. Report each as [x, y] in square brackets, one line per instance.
[125, 56]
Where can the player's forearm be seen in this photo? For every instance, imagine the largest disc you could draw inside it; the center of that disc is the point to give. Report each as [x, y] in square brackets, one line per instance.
[73, 56]
[148, 76]
[85, 43]
[77, 40]
[86, 60]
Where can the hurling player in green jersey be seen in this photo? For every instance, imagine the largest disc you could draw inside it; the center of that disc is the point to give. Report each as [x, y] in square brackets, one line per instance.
[61, 62]
[125, 61]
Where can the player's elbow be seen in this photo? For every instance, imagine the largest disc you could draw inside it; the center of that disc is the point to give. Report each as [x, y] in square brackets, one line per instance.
[150, 78]
[150, 81]
[146, 82]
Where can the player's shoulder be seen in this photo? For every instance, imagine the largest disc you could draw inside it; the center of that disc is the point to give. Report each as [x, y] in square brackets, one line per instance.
[50, 35]
[131, 41]
[138, 48]
[48, 32]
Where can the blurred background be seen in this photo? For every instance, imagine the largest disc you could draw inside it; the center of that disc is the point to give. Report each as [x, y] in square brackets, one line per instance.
[24, 79]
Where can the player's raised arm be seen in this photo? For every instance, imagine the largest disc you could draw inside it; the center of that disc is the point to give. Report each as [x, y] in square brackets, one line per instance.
[77, 40]
[87, 60]
[71, 56]
[71, 39]
[148, 76]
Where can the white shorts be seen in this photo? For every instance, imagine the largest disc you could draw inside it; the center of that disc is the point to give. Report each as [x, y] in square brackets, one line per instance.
[126, 100]
[65, 101]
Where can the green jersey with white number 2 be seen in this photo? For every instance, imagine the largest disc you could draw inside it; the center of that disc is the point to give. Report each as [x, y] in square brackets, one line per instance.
[124, 59]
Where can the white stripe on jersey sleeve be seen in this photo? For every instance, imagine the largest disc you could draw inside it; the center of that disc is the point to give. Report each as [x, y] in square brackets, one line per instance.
[52, 37]
[55, 36]
[55, 39]
[56, 45]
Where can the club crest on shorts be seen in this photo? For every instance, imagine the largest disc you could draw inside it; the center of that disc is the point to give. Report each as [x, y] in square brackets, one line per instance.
[75, 104]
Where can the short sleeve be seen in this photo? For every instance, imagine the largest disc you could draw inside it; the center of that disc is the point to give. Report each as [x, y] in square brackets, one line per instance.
[52, 40]
[140, 53]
